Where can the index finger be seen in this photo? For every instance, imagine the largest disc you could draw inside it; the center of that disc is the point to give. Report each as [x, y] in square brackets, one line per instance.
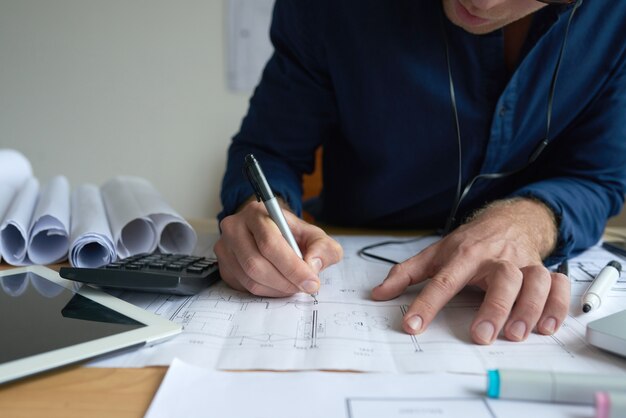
[443, 286]
[275, 248]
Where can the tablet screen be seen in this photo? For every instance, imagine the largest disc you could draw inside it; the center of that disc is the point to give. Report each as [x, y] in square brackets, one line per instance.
[38, 316]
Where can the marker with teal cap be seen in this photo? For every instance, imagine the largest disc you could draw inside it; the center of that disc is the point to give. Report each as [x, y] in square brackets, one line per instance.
[547, 386]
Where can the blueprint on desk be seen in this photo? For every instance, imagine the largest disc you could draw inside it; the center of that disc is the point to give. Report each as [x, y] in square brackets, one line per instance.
[346, 330]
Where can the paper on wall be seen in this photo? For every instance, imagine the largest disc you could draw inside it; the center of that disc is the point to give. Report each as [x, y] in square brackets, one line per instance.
[49, 231]
[90, 236]
[141, 220]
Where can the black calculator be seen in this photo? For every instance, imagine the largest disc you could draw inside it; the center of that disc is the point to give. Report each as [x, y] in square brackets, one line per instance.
[163, 273]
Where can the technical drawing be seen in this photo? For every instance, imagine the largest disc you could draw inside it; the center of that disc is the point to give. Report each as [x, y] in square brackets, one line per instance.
[349, 331]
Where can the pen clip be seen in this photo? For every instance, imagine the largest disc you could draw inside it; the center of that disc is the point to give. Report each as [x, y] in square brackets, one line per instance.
[255, 186]
[254, 174]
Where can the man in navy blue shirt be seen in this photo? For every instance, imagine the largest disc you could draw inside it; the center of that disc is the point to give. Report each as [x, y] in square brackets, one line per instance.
[507, 117]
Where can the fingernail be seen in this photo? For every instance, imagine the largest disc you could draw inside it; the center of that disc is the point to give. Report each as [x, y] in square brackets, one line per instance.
[316, 264]
[484, 331]
[415, 323]
[310, 286]
[518, 330]
[549, 325]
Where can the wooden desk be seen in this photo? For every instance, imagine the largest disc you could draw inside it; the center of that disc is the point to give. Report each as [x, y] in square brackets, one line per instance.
[82, 392]
[78, 391]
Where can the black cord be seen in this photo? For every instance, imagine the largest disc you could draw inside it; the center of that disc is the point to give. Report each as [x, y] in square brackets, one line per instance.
[455, 114]
[364, 252]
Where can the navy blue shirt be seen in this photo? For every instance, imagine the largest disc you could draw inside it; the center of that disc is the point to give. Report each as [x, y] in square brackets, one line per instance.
[368, 81]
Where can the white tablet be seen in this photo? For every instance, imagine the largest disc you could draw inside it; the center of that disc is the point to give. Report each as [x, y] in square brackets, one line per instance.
[47, 322]
[609, 333]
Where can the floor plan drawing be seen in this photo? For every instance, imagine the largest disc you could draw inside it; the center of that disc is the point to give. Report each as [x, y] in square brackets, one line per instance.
[346, 330]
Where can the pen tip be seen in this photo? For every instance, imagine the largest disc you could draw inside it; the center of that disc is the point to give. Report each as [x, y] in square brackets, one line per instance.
[586, 308]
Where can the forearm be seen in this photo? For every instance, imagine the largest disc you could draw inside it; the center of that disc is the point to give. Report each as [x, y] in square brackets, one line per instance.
[582, 207]
[529, 217]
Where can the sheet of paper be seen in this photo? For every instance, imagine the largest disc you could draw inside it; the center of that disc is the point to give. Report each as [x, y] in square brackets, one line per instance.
[191, 391]
[90, 236]
[49, 232]
[346, 330]
[141, 221]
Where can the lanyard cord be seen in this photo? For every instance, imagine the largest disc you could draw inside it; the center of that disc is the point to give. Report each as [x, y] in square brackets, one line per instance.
[459, 196]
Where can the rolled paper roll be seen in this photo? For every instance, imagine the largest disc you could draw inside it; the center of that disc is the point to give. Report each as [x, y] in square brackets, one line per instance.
[90, 235]
[141, 221]
[49, 232]
[14, 230]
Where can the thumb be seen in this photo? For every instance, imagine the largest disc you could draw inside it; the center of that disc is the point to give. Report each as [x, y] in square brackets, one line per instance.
[412, 271]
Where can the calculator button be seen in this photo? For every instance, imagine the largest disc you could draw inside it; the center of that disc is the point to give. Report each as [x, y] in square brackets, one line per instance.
[114, 266]
[174, 267]
[158, 266]
[196, 270]
[202, 267]
[133, 266]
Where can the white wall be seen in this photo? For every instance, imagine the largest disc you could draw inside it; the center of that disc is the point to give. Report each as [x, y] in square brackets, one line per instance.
[95, 88]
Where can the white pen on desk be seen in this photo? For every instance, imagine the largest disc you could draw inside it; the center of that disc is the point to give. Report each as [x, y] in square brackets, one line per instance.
[263, 192]
[603, 282]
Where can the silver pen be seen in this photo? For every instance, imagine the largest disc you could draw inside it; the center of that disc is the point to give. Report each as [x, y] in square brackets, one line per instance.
[254, 173]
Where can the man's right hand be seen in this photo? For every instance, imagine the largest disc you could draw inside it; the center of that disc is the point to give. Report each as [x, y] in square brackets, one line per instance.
[253, 255]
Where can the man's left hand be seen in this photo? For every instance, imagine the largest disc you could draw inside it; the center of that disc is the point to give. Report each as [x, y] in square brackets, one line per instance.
[500, 250]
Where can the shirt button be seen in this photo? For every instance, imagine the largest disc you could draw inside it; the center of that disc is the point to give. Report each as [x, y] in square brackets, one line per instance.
[502, 110]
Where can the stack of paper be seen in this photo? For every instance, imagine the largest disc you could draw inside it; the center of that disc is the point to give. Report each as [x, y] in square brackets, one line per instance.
[95, 226]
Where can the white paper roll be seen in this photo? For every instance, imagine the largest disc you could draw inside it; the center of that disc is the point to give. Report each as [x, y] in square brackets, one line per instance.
[141, 221]
[14, 231]
[91, 241]
[15, 169]
[49, 231]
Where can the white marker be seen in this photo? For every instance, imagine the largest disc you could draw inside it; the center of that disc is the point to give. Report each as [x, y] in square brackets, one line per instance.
[604, 281]
[545, 386]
